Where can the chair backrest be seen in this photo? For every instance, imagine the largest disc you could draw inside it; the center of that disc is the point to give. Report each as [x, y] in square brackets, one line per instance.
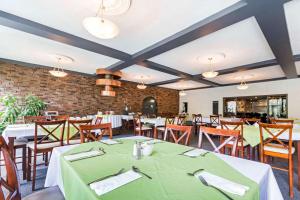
[169, 120]
[183, 136]
[214, 119]
[32, 119]
[251, 121]
[137, 124]
[197, 118]
[229, 135]
[53, 130]
[273, 131]
[98, 120]
[11, 184]
[179, 120]
[60, 117]
[94, 132]
[281, 121]
[74, 124]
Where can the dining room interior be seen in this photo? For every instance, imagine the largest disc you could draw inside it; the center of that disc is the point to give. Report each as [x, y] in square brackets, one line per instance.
[139, 100]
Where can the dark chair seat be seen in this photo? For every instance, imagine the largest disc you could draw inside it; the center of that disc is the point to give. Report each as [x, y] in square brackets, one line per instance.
[50, 193]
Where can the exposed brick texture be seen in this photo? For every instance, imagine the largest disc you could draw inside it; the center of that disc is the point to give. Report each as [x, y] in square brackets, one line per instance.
[77, 93]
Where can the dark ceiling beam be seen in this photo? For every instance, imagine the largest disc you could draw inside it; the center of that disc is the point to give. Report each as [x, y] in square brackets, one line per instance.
[271, 18]
[25, 25]
[168, 70]
[222, 19]
[167, 82]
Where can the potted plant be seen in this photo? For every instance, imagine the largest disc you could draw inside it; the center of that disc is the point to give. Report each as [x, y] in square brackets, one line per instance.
[33, 106]
[11, 111]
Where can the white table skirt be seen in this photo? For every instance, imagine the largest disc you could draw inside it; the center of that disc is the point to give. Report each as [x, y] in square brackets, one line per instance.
[261, 173]
[115, 120]
[155, 121]
[127, 117]
[20, 131]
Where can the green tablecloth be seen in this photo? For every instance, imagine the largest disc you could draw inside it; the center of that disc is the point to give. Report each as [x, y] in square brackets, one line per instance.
[252, 136]
[165, 166]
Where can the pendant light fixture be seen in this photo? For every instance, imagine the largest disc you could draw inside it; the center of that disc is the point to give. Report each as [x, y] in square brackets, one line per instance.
[242, 86]
[58, 71]
[141, 85]
[103, 28]
[211, 73]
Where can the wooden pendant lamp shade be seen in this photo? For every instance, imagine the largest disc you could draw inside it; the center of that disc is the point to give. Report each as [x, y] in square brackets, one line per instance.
[109, 80]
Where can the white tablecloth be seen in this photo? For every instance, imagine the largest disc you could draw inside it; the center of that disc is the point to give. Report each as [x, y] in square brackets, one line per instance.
[19, 131]
[261, 173]
[115, 120]
[155, 121]
[127, 117]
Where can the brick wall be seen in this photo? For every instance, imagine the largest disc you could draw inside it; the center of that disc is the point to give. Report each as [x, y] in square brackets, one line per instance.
[77, 93]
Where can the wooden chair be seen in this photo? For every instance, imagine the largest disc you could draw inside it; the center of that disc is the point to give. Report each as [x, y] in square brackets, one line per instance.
[161, 129]
[242, 145]
[183, 136]
[33, 119]
[12, 183]
[230, 135]
[140, 128]
[87, 132]
[251, 121]
[179, 120]
[274, 147]
[74, 138]
[197, 122]
[98, 120]
[60, 117]
[44, 144]
[281, 121]
[214, 120]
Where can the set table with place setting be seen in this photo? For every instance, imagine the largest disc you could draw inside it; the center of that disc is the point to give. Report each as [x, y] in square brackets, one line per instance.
[109, 169]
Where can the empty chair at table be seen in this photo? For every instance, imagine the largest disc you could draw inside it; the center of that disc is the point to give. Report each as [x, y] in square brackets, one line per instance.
[141, 129]
[242, 145]
[228, 135]
[33, 119]
[281, 121]
[197, 122]
[73, 131]
[98, 120]
[60, 117]
[214, 120]
[94, 132]
[12, 182]
[179, 134]
[53, 133]
[275, 147]
[179, 120]
[161, 129]
[251, 121]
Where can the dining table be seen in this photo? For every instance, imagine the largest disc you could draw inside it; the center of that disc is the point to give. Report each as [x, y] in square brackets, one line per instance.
[165, 174]
[154, 122]
[251, 134]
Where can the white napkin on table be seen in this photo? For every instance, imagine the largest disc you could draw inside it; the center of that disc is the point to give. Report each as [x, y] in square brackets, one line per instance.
[223, 184]
[194, 153]
[77, 156]
[109, 141]
[112, 183]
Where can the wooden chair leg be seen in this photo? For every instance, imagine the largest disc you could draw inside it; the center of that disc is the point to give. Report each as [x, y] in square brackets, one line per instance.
[29, 165]
[291, 178]
[46, 159]
[34, 171]
[24, 162]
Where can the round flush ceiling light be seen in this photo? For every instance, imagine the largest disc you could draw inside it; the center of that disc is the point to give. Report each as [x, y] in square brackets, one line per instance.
[182, 93]
[116, 7]
[100, 27]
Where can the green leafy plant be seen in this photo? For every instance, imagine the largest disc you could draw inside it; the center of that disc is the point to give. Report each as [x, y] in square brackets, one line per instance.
[33, 106]
[12, 110]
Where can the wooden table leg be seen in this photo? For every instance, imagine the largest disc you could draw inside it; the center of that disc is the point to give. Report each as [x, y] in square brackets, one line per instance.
[11, 141]
[155, 132]
[298, 163]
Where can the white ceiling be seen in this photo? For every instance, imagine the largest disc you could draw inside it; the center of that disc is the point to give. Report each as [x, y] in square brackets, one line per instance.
[242, 43]
[298, 67]
[292, 13]
[20, 46]
[143, 25]
[182, 85]
[138, 73]
[250, 75]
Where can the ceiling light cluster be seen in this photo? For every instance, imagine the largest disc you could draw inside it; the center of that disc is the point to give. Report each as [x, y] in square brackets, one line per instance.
[103, 28]
[242, 86]
[58, 70]
[211, 73]
[182, 93]
[141, 85]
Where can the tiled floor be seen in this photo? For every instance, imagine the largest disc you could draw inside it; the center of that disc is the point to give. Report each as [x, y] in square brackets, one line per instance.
[281, 176]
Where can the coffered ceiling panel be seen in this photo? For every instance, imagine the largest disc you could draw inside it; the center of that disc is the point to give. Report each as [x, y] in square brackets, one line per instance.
[138, 73]
[145, 23]
[239, 44]
[20, 46]
[182, 85]
[292, 16]
[250, 75]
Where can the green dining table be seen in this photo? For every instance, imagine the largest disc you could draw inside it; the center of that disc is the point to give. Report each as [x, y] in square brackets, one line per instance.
[166, 166]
